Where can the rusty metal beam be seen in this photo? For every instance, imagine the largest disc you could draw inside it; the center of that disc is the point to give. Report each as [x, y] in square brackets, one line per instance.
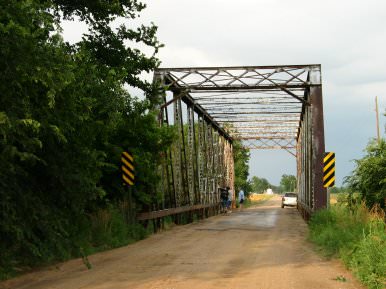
[201, 111]
[238, 67]
[172, 211]
[320, 193]
[293, 95]
[248, 87]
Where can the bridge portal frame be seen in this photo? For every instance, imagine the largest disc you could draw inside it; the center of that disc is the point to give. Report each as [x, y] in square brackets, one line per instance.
[201, 159]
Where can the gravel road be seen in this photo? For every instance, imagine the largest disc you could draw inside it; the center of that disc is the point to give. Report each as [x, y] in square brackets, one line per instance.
[262, 247]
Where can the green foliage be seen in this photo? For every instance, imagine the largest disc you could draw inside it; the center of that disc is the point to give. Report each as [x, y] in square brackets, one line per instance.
[65, 118]
[369, 176]
[339, 190]
[351, 200]
[241, 157]
[355, 235]
[369, 258]
[259, 185]
[288, 183]
[110, 229]
[337, 229]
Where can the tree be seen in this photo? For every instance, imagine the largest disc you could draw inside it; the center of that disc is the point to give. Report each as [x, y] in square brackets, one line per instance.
[369, 176]
[65, 118]
[241, 160]
[288, 183]
[259, 185]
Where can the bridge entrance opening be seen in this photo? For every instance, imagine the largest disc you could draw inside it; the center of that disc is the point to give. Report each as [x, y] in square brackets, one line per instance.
[265, 107]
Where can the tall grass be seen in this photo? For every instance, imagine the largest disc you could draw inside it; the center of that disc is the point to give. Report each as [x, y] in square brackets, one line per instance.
[111, 227]
[255, 199]
[357, 236]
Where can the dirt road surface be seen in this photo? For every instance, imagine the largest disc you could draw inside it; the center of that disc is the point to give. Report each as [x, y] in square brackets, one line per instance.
[262, 247]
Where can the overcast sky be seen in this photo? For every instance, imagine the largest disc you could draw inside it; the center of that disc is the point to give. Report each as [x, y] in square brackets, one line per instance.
[347, 37]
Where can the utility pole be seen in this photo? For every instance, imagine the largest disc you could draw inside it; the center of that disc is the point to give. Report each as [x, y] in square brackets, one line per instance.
[377, 119]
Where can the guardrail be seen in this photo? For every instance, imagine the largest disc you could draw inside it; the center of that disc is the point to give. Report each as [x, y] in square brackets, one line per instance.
[173, 211]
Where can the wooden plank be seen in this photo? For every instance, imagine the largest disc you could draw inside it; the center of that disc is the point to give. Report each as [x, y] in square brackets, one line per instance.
[172, 211]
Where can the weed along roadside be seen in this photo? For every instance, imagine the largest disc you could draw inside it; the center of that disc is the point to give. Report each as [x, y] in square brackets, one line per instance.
[357, 236]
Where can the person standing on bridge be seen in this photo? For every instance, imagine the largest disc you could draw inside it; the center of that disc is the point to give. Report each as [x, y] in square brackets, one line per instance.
[230, 199]
[241, 198]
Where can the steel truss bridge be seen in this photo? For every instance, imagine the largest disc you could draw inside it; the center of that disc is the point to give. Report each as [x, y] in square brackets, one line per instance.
[265, 107]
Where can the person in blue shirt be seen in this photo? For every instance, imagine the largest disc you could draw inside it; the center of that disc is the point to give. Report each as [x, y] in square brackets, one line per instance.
[241, 199]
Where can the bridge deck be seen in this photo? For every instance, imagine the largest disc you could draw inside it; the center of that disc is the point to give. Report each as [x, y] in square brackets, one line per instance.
[262, 247]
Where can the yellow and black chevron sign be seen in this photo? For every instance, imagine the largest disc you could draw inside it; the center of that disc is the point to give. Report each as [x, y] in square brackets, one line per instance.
[127, 168]
[329, 170]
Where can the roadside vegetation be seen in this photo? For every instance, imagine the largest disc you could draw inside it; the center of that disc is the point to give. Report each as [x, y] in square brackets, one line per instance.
[241, 158]
[65, 118]
[353, 228]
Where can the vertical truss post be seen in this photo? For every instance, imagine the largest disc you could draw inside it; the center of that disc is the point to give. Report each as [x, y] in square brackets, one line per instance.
[201, 159]
[184, 165]
[206, 162]
[229, 165]
[309, 149]
[319, 192]
[192, 157]
[162, 168]
[210, 159]
[217, 166]
[222, 163]
[305, 161]
[177, 159]
[168, 168]
[196, 160]
[226, 164]
[299, 167]
[232, 172]
[208, 167]
[220, 151]
[168, 191]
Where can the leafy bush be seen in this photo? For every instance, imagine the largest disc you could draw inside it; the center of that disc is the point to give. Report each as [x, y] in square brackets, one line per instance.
[369, 176]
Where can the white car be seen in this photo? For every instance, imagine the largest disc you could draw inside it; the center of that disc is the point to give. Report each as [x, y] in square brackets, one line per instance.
[289, 199]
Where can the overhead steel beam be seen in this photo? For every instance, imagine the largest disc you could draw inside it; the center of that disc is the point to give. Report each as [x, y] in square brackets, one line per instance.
[192, 69]
[248, 87]
[201, 111]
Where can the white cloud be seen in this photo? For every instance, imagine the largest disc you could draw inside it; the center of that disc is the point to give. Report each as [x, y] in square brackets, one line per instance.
[190, 56]
[347, 37]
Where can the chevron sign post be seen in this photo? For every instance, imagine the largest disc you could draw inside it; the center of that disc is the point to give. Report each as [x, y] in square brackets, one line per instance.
[329, 169]
[127, 160]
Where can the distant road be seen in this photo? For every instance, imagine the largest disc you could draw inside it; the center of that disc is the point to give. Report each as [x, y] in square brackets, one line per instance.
[262, 247]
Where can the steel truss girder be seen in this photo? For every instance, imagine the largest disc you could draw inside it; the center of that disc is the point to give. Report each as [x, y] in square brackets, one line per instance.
[241, 78]
[269, 143]
[266, 107]
[199, 162]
